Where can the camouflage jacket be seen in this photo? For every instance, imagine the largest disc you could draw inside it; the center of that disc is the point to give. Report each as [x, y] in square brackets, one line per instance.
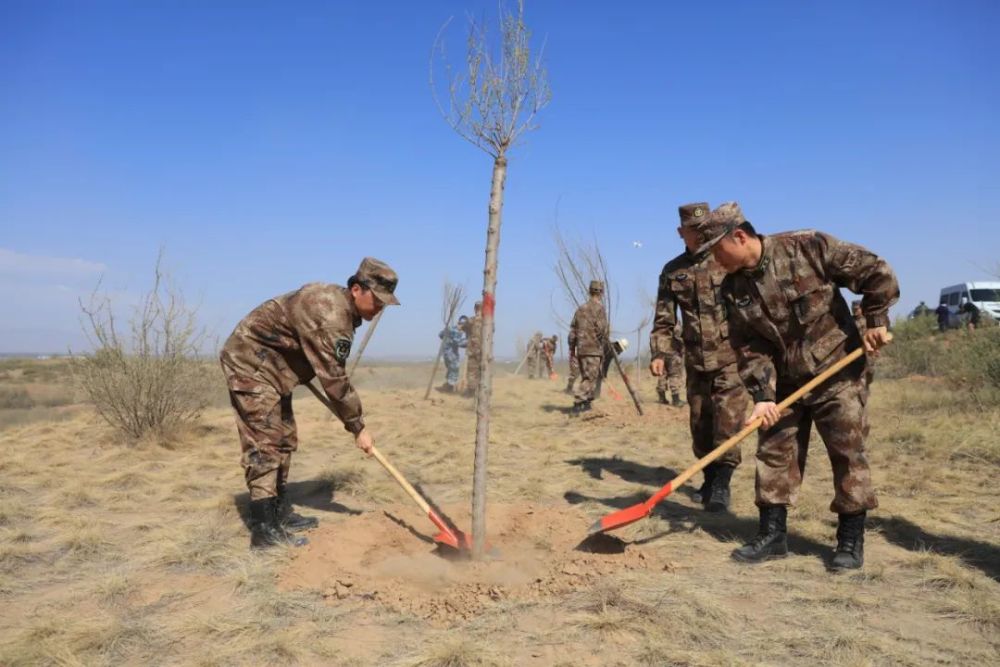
[789, 320]
[693, 286]
[474, 334]
[292, 338]
[589, 331]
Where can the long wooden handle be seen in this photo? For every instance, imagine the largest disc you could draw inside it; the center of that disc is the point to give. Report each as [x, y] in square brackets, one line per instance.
[417, 498]
[364, 343]
[703, 462]
[378, 456]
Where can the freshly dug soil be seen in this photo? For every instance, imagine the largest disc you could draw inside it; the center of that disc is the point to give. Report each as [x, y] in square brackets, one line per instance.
[387, 558]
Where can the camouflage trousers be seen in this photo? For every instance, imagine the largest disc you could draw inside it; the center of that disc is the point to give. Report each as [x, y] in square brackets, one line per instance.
[574, 368]
[534, 364]
[719, 405]
[266, 427]
[840, 416]
[590, 373]
[472, 368]
[673, 379]
[452, 364]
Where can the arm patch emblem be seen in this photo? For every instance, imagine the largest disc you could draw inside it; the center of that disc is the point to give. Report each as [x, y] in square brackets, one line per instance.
[342, 349]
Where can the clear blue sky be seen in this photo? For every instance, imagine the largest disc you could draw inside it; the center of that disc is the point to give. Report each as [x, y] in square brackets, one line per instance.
[266, 145]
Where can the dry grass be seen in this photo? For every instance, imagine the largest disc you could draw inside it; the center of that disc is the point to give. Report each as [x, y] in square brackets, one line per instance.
[137, 555]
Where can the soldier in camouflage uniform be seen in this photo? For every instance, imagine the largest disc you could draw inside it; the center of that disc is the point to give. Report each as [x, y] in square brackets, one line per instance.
[549, 354]
[718, 401]
[789, 322]
[452, 342]
[285, 342]
[473, 349]
[673, 379]
[588, 341]
[534, 354]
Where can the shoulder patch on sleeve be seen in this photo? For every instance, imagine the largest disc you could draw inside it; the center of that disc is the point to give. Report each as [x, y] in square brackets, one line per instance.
[342, 349]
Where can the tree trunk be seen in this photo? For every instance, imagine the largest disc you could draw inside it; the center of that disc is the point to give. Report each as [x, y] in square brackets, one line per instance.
[485, 390]
[638, 355]
[364, 343]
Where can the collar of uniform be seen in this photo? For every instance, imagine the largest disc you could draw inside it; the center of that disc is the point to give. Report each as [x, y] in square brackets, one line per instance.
[352, 309]
[696, 258]
[757, 272]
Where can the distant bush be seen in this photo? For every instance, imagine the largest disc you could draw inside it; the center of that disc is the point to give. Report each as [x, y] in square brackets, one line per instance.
[967, 360]
[148, 380]
[15, 398]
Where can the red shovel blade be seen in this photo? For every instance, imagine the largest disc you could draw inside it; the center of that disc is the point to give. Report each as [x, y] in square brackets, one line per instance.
[631, 514]
[449, 536]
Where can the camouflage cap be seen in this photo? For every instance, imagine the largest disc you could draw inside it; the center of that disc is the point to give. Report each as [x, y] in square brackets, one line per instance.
[721, 221]
[377, 276]
[694, 215]
[596, 287]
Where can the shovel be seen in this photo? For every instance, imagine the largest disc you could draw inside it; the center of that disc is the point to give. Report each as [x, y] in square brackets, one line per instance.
[632, 514]
[449, 535]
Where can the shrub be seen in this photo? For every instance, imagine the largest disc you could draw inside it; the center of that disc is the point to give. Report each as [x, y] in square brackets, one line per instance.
[15, 397]
[967, 360]
[148, 380]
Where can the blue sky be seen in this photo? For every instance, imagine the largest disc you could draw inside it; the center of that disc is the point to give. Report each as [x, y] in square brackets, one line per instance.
[266, 145]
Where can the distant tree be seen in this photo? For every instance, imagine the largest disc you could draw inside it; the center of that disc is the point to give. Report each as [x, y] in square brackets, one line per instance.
[492, 103]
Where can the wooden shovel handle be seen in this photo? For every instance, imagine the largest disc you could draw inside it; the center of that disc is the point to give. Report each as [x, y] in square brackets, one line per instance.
[417, 498]
[703, 462]
[378, 456]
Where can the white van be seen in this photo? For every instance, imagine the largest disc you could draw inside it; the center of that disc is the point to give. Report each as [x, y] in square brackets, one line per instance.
[984, 295]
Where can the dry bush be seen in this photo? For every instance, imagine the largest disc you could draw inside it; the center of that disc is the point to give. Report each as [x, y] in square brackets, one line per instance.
[15, 398]
[969, 361]
[146, 380]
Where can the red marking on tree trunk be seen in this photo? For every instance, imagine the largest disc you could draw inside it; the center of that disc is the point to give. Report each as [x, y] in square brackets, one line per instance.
[489, 304]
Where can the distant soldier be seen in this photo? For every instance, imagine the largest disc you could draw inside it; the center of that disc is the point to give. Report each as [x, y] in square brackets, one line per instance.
[549, 354]
[719, 403]
[473, 350]
[534, 355]
[789, 322]
[921, 310]
[452, 341]
[942, 313]
[673, 379]
[971, 311]
[588, 340]
[285, 342]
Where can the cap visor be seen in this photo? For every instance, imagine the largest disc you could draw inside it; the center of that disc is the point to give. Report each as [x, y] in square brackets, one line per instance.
[387, 298]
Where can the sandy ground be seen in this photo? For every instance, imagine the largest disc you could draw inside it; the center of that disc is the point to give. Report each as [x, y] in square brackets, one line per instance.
[138, 555]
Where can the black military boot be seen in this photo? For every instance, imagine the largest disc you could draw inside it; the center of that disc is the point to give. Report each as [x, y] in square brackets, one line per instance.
[771, 540]
[718, 499]
[663, 396]
[292, 520]
[705, 492]
[850, 553]
[266, 530]
[676, 401]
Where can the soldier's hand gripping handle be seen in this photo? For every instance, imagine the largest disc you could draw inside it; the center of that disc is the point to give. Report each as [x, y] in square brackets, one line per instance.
[876, 338]
[364, 441]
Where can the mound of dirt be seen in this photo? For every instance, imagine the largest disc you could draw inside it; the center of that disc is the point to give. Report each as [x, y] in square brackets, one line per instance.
[387, 558]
